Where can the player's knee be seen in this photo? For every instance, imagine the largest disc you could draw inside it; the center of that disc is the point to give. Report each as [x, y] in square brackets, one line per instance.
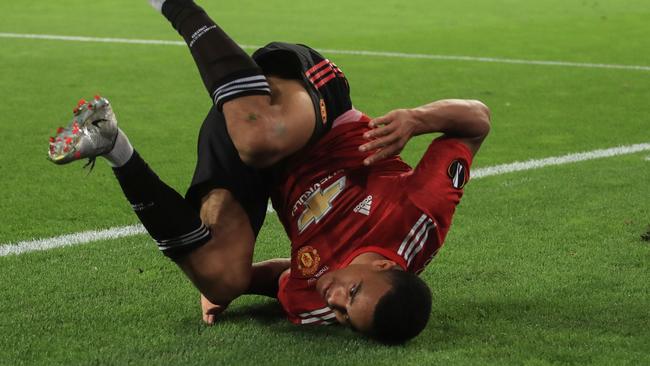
[224, 283]
[236, 280]
[483, 114]
[258, 148]
[220, 275]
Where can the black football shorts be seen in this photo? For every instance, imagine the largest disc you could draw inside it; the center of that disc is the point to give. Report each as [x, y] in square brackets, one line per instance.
[219, 166]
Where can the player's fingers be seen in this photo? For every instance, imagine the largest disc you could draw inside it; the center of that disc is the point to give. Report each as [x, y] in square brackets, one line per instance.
[388, 118]
[389, 150]
[379, 143]
[373, 158]
[380, 154]
[383, 120]
[380, 131]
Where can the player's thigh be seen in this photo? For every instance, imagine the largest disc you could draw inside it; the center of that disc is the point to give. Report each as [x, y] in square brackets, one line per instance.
[227, 218]
[226, 259]
[231, 198]
[281, 127]
[224, 190]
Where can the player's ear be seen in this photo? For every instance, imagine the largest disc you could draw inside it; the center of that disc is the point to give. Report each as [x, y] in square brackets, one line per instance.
[383, 264]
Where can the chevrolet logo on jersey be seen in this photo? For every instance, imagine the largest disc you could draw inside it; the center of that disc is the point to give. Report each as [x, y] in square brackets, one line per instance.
[319, 204]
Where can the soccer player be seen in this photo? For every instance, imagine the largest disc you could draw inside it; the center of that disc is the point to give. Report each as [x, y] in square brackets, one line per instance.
[362, 223]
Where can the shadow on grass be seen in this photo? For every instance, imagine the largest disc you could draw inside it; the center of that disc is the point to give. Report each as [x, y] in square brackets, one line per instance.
[269, 314]
[549, 328]
[265, 317]
[264, 312]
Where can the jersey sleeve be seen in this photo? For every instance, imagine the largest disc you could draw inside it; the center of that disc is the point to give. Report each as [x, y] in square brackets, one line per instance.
[283, 298]
[302, 304]
[437, 182]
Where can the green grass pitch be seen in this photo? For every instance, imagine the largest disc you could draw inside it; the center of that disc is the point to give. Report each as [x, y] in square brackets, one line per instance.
[542, 267]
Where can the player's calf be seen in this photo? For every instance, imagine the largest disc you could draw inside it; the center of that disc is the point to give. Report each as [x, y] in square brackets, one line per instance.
[261, 133]
[222, 268]
[168, 218]
[227, 71]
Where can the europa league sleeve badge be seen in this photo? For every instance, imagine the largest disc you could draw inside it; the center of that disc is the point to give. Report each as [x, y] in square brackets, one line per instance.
[458, 174]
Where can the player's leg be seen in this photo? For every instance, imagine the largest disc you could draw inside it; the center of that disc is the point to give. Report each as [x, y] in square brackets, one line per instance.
[262, 131]
[226, 70]
[264, 280]
[217, 259]
[221, 269]
[233, 274]
[213, 248]
[232, 200]
[219, 262]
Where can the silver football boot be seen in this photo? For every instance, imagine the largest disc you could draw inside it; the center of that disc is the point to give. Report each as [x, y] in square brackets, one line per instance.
[91, 133]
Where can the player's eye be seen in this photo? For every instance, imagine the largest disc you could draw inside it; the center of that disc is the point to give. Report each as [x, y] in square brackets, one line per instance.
[353, 291]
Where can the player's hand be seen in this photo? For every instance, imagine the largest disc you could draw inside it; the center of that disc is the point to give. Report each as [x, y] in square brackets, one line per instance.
[389, 135]
[210, 311]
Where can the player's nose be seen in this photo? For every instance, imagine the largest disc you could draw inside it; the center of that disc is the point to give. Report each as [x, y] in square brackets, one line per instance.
[337, 297]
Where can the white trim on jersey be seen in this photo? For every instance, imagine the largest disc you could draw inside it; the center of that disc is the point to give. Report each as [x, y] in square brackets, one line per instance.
[323, 315]
[400, 251]
[420, 245]
[423, 229]
[416, 238]
[315, 312]
[310, 320]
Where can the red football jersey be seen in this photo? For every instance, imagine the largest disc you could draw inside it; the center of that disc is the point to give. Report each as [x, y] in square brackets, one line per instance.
[334, 208]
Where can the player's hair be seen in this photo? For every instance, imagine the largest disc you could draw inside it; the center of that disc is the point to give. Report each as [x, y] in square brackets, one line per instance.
[403, 312]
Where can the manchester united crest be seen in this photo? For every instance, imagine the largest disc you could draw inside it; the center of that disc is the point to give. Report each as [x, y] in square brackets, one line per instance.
[308, 260]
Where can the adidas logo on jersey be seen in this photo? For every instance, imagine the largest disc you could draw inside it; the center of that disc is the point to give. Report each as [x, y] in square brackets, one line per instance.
[364, 206]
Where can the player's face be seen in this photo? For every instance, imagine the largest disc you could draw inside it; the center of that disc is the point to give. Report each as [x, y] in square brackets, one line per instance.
[353, 292]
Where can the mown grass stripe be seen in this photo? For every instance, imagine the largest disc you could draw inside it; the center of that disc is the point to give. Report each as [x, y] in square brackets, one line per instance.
[403, 55]
[118, 232]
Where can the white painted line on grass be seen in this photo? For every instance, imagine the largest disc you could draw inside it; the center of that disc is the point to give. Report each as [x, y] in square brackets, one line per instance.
[487, 59]
[558, 160]
[52, 37]
[344, 52]
[118, 232]
[70, 239]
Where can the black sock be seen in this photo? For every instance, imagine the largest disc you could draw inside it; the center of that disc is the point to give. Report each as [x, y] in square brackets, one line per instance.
[227, 71]
[176, 11]
[169, 219]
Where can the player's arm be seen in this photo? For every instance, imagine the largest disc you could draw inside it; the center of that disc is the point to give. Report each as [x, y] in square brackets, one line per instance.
[266, 275]
[466, 120]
